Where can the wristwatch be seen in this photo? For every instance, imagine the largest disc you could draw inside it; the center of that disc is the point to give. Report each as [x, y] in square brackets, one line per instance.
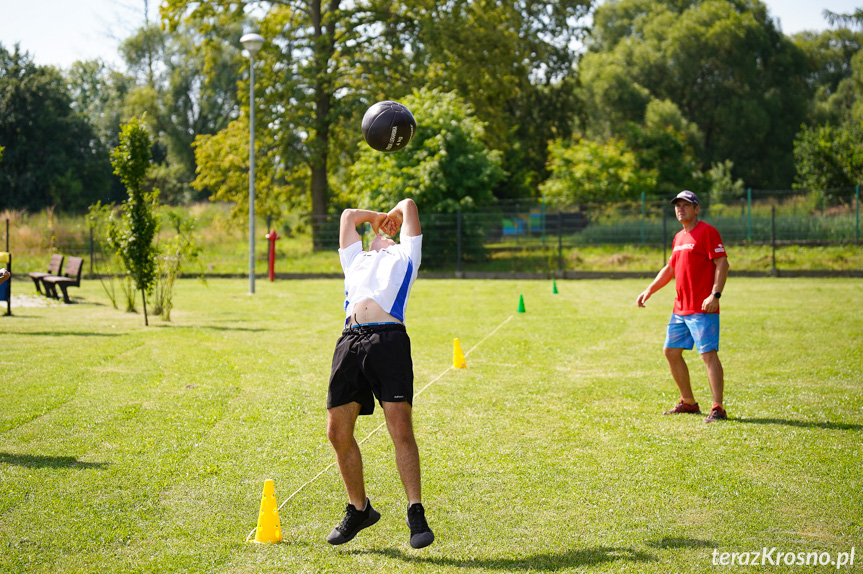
[717, 295]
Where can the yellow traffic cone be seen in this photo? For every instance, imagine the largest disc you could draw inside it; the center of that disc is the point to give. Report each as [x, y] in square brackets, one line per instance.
[458, 361]
[268, 529]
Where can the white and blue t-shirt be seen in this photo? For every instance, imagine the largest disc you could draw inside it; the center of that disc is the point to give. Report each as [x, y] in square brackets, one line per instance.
[384, 276]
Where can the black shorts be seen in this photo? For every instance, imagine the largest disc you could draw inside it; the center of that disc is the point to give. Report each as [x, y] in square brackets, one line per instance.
[372, 361]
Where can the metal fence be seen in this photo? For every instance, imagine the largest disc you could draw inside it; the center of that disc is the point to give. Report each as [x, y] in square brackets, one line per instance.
[540, 234]
[540, 237]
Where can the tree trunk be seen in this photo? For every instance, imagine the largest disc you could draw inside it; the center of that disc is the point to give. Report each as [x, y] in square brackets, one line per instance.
[144, 299]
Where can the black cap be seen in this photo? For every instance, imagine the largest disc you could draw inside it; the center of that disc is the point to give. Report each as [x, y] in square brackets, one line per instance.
[686, 195]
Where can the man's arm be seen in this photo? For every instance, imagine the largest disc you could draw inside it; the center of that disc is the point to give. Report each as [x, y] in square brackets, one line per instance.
[406, 216]
[351, 218]
[662, 278]
[711, 304]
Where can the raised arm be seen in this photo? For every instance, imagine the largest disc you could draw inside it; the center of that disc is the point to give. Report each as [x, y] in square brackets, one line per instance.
[665, 275]
[407, 217]
[352, 217]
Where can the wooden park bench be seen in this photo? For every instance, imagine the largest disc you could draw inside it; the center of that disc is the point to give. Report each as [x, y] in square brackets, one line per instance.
[70, 278]
[55, 267]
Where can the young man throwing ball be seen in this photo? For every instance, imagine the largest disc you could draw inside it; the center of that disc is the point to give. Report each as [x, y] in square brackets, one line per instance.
[372, 360]
[699, 267]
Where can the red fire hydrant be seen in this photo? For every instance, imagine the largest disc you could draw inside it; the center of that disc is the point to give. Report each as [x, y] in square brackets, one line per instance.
[272, 236]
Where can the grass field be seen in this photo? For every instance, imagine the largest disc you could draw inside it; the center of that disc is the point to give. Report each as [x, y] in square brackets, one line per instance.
[133, 449]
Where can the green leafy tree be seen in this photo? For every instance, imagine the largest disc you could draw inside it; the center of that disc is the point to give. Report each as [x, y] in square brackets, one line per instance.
[723, 187]
[132, 236]
[514, 63]
[724, 64]
[53, 157]
[223, 171]
[829, 158]
[592, 172]
[185, 87]
[325, 62]
[835, 72]
[665, 145]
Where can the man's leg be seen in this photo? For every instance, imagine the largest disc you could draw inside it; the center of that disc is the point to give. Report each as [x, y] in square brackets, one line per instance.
[400, 426]
[340, 430]
[715, 375]
[680, 373]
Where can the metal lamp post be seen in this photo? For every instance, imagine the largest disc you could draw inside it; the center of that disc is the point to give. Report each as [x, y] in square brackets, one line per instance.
[252, 43]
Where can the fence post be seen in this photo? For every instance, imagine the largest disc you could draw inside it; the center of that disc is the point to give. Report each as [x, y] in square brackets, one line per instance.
[642, 218]
[664, 235]
[542, 217]
[857, 202]
[458, 244]
[774, 271]
[92, 251]
[560, 241]
[749, 214]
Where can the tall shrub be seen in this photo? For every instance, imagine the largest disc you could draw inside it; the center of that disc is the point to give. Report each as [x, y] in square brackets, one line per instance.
[132, 236]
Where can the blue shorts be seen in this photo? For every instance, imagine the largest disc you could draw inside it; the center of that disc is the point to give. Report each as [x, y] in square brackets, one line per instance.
[700, 329]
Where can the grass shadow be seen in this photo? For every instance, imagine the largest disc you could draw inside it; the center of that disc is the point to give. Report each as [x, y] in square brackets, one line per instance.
[537, 562]
[678, 542]
[801, 424]
[35, 461]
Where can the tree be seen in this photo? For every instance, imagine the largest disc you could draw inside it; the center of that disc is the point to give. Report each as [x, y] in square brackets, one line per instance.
[724, 64]
[99, 93]
[52, 157]
[591, 172]
[184, 91]
[514, 63]
[132, 236]
[665, 145]
[829, 158]
[835, 67]
[324, 63]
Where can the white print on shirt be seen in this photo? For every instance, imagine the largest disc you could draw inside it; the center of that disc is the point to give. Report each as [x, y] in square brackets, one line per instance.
[684, 247]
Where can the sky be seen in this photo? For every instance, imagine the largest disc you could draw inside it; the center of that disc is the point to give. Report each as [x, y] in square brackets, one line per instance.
[59, 32]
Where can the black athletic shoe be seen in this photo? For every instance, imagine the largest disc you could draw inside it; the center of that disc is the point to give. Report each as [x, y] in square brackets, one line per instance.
[354, 521]
[421, 534]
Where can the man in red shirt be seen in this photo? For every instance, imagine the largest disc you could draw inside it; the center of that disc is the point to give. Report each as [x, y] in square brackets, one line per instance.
[699, 266]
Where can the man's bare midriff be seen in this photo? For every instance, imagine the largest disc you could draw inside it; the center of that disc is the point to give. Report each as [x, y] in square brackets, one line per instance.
[369, 311]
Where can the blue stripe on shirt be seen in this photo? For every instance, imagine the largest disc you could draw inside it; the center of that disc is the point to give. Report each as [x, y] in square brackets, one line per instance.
[398, 310]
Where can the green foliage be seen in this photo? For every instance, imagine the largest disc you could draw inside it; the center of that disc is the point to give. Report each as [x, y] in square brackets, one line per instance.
[132, 236]
[665, 144]
[52, 156]
[723, 187]
[223, 170]
[835, 70]
[185, 87]
[181, 248]
[587, 171]
[722, 63]
[829, 158]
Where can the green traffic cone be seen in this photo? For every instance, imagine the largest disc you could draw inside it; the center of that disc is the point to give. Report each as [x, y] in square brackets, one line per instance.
[554, 286]
[521, 303]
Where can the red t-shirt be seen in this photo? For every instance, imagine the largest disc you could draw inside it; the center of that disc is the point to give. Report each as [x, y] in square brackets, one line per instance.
[694, 269]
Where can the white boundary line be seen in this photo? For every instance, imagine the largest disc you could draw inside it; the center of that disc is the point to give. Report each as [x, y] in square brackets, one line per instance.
[380, 426]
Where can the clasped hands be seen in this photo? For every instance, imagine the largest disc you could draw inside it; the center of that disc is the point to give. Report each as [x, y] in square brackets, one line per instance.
[388, 223]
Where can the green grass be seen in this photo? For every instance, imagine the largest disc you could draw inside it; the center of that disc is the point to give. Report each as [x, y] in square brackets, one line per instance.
[133, 449]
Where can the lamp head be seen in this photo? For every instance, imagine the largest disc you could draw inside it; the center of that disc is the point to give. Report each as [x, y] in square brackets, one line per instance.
[252, 43]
